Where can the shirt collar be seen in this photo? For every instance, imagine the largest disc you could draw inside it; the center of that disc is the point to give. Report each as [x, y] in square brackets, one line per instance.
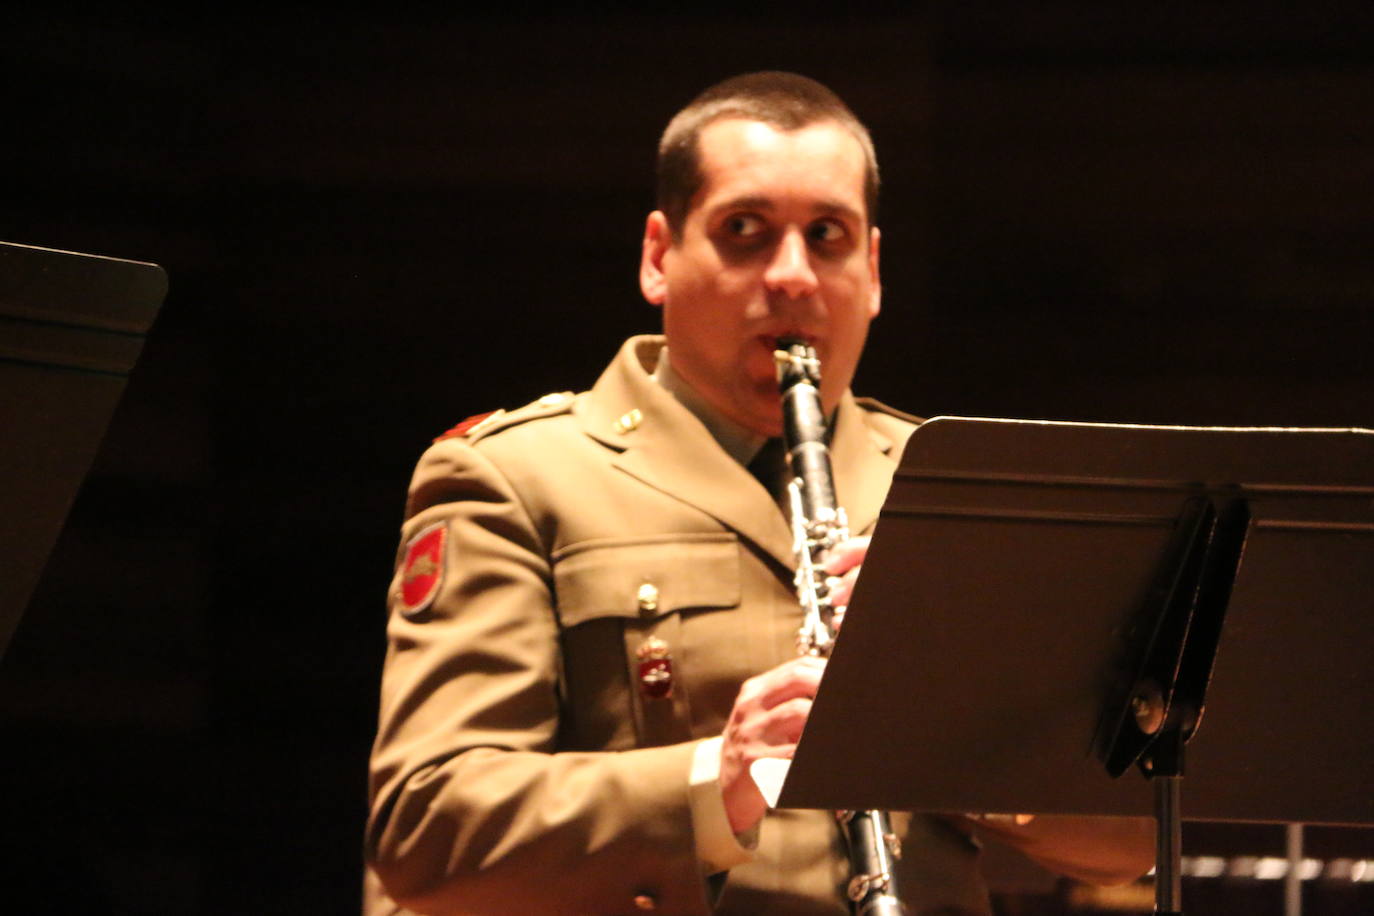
[738, 442]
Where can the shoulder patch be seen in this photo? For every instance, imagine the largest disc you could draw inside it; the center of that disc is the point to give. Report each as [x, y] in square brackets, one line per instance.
[422, 570]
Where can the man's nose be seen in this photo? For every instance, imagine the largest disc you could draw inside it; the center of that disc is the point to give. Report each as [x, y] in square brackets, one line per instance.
[790, 269]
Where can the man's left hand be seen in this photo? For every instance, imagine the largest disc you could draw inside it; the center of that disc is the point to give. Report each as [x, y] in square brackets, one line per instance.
[842, 563]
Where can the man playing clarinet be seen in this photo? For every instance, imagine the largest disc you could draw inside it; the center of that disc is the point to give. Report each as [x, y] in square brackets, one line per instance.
[593, 617]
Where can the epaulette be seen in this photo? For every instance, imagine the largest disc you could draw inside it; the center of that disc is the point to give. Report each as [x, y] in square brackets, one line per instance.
[879, 407]
[484, 424]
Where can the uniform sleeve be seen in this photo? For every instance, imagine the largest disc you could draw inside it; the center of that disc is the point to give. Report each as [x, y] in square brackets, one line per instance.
[473, 809]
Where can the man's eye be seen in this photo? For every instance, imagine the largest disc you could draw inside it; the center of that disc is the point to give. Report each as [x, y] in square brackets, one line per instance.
[744, 225]
[826, 231]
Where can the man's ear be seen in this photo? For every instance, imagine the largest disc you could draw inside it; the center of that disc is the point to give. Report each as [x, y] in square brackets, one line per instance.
[876, 297]
[658, 238]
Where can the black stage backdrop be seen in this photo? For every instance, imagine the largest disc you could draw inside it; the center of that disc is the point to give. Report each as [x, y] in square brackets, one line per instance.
[376, 225]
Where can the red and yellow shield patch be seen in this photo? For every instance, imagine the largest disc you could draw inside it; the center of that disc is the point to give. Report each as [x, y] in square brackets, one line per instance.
[422, 571]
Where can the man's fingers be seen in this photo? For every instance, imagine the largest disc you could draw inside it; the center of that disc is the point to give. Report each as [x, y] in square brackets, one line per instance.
[769, 722]
[783, 723]
[774, 733]
[766, 721]
[842, 565]
[842, 587]
[847, 555]
[797, 678]
[1020, 820]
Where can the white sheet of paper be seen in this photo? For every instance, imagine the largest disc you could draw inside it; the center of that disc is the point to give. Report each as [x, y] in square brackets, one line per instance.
[768, 774]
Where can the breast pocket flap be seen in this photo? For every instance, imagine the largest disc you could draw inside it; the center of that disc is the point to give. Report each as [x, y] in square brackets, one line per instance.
[646, 578]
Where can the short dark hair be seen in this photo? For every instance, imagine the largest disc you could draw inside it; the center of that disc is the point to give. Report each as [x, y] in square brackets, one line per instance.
[787, 101]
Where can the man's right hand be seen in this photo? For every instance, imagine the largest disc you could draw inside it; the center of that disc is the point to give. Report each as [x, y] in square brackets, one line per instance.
[766, 721]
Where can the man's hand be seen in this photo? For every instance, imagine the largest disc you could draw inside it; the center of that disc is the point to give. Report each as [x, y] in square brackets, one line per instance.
[766, 721]
[771, 708]
[1098, 850]
[842, 565]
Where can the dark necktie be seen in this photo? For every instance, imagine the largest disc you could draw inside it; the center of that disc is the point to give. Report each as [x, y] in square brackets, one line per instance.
[769, 468]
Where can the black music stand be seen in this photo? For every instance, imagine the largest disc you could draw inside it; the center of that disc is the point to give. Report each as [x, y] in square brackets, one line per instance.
[71, 327]
[1041, 607]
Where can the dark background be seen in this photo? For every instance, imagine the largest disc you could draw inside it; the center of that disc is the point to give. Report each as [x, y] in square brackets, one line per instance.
[376, 225]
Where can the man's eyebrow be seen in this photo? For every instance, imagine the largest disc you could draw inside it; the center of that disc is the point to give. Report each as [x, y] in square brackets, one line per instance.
[755, 202]
[838, 208]
[744, 202]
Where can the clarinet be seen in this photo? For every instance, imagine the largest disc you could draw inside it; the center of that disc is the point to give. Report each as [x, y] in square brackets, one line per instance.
[817, 525]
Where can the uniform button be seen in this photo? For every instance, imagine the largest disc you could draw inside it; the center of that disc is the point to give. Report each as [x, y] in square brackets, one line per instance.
[648, 597]
[645, 902]
[628, 421]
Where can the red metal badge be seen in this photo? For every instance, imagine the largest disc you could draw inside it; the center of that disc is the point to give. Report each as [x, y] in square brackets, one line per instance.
[423, 568]
[655, 669]
[463, 428]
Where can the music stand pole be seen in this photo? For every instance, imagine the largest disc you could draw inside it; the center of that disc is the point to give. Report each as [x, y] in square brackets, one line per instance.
[1168, 844]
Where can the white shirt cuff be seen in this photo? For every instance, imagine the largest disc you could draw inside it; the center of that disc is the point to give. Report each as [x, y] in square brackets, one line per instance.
[717, 846]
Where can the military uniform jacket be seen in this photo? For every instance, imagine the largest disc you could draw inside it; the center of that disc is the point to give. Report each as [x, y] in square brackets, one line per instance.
[521, 765]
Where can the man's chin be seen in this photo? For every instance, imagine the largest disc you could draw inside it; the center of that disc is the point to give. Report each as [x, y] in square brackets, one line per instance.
[764, 416]
[769, 430]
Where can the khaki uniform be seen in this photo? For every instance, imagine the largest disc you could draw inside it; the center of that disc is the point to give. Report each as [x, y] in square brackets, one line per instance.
[521, 765]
